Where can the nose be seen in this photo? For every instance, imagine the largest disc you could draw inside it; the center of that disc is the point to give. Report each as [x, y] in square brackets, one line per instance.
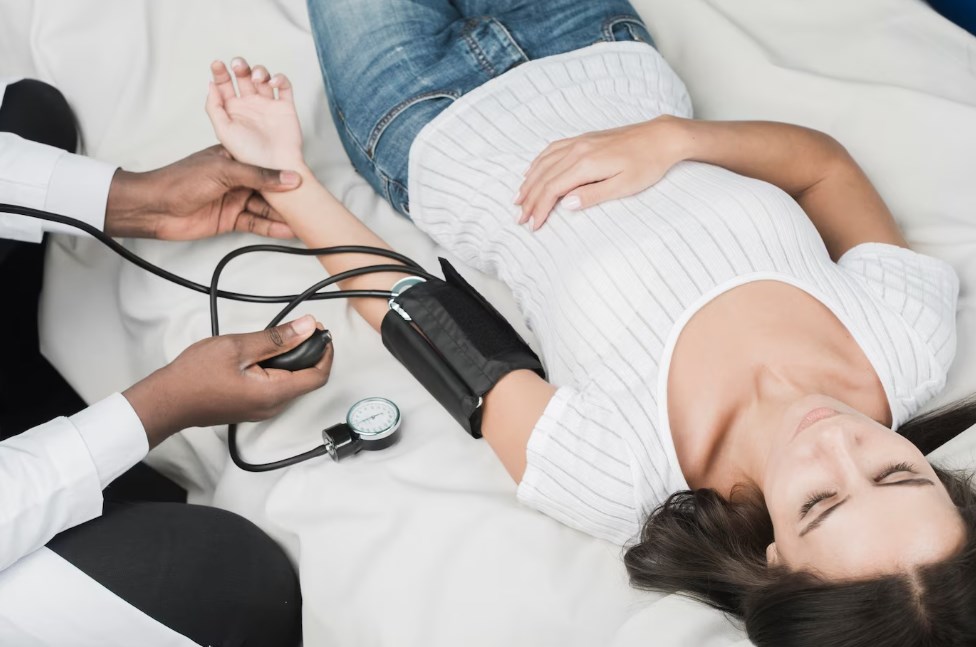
[838, 443]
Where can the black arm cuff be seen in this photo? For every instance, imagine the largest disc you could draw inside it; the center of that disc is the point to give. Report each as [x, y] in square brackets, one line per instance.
[456, 344]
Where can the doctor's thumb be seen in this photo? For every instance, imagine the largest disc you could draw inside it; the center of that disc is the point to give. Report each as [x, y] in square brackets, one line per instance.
[259, 346]
[259, 178]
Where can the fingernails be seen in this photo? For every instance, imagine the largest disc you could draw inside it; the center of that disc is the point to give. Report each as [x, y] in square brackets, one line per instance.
[304, 326]
[289, 178]
[572, 202]
[237, 61]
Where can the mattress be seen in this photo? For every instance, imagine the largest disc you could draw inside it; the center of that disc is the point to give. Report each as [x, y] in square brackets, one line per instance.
[424, 544]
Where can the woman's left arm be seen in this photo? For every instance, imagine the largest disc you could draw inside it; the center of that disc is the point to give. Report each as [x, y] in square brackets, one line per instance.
[809, 165]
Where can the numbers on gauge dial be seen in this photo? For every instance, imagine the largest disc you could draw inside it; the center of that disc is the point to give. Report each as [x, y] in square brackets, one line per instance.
[373, 416]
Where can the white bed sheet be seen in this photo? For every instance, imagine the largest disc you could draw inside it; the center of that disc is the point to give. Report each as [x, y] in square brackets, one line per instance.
[424, 544]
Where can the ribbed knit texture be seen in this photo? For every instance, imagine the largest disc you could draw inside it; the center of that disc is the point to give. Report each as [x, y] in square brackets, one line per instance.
[607, 290]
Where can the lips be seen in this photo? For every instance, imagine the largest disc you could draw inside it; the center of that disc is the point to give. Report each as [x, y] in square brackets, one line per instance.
[814, 416]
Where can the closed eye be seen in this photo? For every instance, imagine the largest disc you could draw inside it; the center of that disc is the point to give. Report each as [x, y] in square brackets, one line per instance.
[814, 499]
[890, 470]
[894, 469]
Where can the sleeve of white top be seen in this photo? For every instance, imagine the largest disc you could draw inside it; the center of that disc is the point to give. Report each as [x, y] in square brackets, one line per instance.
[43, 177]
[51, 477]
[923, 290]
[578, 469]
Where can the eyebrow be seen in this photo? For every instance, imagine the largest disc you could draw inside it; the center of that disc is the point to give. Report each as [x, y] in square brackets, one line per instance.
[813, 525]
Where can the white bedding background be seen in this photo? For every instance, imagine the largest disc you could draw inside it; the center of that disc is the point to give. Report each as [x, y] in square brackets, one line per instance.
[424, 544]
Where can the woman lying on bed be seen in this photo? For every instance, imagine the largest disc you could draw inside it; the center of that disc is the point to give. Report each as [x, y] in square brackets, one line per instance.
[731, 321]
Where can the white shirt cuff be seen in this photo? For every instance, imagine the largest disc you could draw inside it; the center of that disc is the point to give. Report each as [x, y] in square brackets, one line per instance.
[114, 435]
[79, 188]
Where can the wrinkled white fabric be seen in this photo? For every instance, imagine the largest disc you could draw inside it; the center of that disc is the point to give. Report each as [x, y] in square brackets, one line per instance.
[429, 532]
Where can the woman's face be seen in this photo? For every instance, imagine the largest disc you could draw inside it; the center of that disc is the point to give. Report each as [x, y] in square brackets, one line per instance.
[851, 499]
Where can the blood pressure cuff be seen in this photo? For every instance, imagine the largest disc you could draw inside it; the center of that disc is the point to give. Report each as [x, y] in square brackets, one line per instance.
[455, 343]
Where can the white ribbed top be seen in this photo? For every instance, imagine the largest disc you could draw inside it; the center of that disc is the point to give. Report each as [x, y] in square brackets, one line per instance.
[607, 290]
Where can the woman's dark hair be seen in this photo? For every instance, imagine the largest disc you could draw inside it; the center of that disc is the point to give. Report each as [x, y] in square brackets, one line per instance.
[714, 550]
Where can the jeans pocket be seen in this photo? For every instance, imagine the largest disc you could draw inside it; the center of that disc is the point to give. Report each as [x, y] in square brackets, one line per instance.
[626, 28]
[397, 196]
[434, 102]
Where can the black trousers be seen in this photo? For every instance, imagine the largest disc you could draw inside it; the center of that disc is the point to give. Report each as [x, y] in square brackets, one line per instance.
[31, 391]
[206, 573]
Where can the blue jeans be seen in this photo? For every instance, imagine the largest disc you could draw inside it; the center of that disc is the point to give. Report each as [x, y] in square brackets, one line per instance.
[391, 66]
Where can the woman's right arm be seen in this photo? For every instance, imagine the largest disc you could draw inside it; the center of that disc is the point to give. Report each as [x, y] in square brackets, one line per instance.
[254, 125]
[320, 220]
[511, 408]
[511, 411]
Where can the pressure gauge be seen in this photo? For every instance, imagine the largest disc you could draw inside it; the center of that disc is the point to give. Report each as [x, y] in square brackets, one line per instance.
[374, 417]
[371, 424]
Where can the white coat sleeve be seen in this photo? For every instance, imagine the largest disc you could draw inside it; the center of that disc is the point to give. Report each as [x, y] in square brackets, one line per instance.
[43, 177]
[52, 476]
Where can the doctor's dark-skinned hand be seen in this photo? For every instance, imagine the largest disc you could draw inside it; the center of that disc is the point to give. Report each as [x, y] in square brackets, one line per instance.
[206, 194]
[218, 381]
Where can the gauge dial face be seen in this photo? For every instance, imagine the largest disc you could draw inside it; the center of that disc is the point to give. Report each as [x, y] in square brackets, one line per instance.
[374, 417]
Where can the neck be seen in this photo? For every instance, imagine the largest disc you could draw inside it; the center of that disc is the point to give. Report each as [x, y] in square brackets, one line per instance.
[740, 363]
[760, 421]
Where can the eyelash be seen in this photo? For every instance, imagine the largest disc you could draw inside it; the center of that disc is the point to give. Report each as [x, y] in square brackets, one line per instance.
[814, 499]
[894, 469]
[817, 497]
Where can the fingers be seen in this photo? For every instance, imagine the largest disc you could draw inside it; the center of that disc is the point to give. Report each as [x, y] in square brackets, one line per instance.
[252, 223]
[237, 174]
[560, 181]
[260, 77]
[287, 385]
[243, 73]
[281, 83]
[549, 151]
[215, 109]
[249, 81]
[259, 346]
[256, 204]
[586, 196]
[221, 78]
[217, 149]
[539, 168]
[534, 190]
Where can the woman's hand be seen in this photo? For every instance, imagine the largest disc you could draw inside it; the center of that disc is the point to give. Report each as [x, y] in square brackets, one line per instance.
[257, 122]
[599, 166]
[218, 381]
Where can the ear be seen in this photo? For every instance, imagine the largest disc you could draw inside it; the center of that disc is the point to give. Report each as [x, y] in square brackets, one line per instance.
[772, 555]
